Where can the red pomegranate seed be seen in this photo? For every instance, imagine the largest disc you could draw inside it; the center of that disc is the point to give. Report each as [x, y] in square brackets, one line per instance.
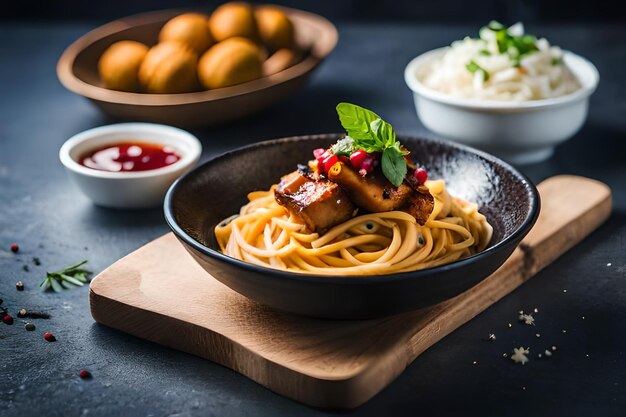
[329, 161]
[49, 337]
[14, 247]
[421, 175]
[318, 152]
[7, 319]
[357, 158]
[320, 160]
[84, 374]
[367, 165]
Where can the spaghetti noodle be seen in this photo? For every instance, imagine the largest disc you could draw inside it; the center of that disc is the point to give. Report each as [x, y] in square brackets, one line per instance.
[265, 234]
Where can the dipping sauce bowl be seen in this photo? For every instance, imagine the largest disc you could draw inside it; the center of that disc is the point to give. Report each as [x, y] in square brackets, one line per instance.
[128, 189]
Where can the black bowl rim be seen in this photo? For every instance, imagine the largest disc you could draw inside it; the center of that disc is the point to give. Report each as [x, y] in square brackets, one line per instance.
[517, 234]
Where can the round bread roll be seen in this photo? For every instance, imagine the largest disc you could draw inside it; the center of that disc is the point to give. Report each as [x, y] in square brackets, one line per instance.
[119, 65]
[232, 20]
[169, 67]
[280, 61]
[191, 29]
[230, 62]
[275, 27]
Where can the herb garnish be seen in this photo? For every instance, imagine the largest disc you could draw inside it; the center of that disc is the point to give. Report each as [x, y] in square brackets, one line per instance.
[472, 67]
[66, 278]
[370, 133]
[516, 47]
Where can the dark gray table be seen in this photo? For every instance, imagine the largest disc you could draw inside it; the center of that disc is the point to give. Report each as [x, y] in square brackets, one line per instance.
[581, 298]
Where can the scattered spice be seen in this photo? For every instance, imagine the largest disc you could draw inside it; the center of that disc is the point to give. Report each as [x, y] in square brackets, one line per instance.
[527, 319]
[36, 261]
[564, 290]
[14, 248]
[492, 336]
[537, 335]
[22, 313]
[475, 363]
[34, 314]
[553, 348]
[30, 327]
[69, 277]
[548, 353]
[536, 310]
[505, 355]
[19, 285]
[7, 319]
[564, 331]
[519, 355]
[49, 337]
[609, 264]
[84, 374]
[539, 355]
[510, 325]
[25, 268]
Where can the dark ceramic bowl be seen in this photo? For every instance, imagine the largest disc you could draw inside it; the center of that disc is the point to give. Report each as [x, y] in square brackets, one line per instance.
[217, 189]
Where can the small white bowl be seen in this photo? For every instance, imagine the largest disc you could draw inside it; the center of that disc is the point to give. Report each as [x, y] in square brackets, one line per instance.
[129, 190]
[520, 132]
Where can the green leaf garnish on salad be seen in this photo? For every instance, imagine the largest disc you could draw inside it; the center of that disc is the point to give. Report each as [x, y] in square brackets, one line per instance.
[516, 47]
[472, 67]
[369, 132]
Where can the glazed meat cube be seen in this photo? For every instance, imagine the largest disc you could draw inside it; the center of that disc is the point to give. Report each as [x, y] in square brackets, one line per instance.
[319, 204]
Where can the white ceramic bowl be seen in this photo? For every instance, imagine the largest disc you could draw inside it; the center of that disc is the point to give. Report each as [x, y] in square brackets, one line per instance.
[520, 132]
[140, 189]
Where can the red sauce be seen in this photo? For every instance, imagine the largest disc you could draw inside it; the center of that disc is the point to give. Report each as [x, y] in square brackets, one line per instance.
[130, 156]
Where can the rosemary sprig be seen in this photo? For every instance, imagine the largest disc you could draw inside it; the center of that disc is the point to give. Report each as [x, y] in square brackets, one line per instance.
[70, 277]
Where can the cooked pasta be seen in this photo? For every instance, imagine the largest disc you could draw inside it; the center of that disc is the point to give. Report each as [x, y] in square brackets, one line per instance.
[265, 234]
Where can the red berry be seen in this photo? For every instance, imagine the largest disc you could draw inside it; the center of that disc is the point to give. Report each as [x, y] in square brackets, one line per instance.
[357, 158]
[49, 337]
[84, 374]
[320, 161]
[7, 319]
[421, 175]
[14, 247]
[318, 152]
[368, 164]
[329, 161]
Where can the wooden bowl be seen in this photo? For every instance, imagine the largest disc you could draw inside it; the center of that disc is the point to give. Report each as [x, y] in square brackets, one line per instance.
[77, 70]
[504, 195]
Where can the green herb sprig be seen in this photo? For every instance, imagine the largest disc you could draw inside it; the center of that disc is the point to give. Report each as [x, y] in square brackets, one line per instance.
[473, 67]
[516, 47]
[369, 132]
[70, 277]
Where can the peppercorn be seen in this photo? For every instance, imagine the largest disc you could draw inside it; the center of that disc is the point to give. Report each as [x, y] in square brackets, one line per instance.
[49, 337]
[36, 261]
[84, 374]
[22, 313]
[30, 327]
[14, 247]
[19, 285]
[7, 319]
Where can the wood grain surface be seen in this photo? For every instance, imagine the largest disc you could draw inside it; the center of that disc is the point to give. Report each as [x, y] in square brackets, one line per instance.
[160, 294]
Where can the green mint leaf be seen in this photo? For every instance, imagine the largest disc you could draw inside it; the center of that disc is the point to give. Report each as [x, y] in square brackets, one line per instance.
[557, 61]
[484, 52]
[394, 166]
[472, 67]
[356, 120]
[343, 146]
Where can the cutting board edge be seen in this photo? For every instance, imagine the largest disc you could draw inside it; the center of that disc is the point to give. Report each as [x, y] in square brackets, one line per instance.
[345, 392]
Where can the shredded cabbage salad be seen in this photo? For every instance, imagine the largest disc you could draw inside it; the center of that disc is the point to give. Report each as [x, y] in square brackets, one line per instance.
[502, 64]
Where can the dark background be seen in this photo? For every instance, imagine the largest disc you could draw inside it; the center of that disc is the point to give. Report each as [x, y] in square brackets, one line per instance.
[581, 298]
[471, 11]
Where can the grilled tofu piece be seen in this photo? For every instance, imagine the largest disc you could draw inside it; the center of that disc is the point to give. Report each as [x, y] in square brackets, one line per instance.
[319, 204]
[420, 205]
[376, 194]
[372, 192]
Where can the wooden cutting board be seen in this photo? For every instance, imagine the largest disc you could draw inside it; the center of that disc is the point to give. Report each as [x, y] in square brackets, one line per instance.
[160, 294]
